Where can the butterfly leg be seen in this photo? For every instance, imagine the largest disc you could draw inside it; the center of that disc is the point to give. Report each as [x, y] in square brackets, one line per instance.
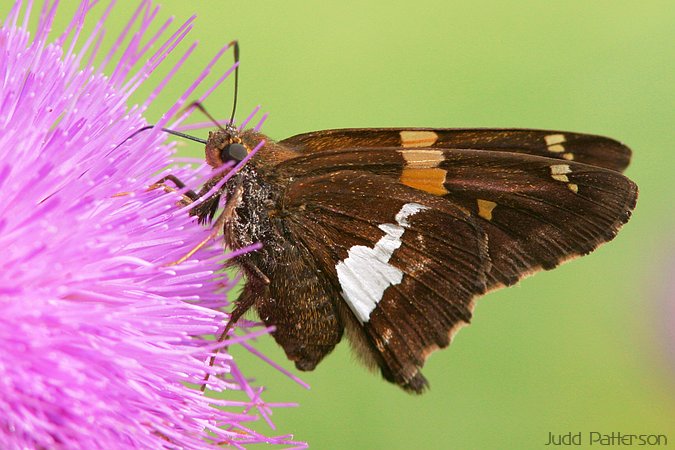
[215, 229]
[204, 211]
[246, 302]
[189, 196]
[243, 304]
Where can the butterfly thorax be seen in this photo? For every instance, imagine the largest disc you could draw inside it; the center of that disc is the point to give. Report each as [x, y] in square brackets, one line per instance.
[255, 219]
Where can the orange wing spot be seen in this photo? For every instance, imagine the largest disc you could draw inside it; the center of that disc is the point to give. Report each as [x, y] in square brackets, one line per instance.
[427, 180]
[485, 208]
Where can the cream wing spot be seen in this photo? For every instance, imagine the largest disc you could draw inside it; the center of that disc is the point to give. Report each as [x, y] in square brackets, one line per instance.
[418, 138]
[553, 139]
[366, 274]
[559, 169]
[554, 142]
[559, 173]
[422, 159]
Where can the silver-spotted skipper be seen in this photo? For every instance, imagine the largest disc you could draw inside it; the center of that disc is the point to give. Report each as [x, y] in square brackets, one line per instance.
[390, 235]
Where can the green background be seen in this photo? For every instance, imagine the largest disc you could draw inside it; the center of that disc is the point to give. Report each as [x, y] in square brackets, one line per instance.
[587, 347]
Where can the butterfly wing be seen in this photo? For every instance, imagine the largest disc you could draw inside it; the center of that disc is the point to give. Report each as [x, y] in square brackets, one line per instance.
[485, 218]
[585, 148]
[406, 264]
[516, 193]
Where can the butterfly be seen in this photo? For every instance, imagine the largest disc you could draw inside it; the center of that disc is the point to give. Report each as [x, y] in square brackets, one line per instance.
[389, 235]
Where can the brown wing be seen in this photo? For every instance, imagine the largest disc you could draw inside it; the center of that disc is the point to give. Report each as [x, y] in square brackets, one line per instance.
[585, 148]
[532, 212]
[406, 264]
[536, 211]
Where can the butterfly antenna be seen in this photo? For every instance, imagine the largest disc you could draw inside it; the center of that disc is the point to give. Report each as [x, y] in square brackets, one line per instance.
[235, 44]
[197, 104]
[166, 130]
[133, 135]
[185, 136]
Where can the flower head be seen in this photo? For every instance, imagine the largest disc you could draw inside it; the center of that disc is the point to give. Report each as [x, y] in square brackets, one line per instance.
[99, 334]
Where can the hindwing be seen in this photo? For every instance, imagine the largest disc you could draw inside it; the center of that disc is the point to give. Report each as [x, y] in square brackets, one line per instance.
[405, 263]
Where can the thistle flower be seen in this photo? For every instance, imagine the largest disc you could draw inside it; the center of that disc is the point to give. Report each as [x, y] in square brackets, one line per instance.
[99, 336]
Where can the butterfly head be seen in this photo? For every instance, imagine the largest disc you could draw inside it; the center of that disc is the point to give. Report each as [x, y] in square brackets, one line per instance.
[224, 146]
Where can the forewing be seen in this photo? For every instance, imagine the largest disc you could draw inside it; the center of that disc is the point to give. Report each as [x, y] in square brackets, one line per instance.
[536, 211]
[585, 148]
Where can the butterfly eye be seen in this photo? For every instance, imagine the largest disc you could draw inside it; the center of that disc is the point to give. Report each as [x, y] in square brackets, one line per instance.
[234, 152]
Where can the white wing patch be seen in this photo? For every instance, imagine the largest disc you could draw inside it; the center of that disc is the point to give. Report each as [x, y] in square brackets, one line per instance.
[366, 273]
